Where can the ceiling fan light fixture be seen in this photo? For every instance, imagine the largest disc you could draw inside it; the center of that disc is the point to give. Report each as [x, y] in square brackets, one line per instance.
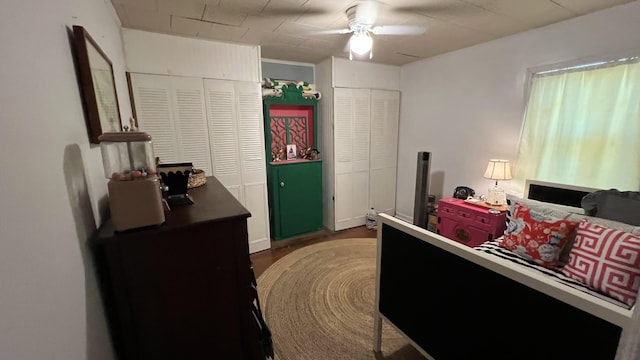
[360, 43]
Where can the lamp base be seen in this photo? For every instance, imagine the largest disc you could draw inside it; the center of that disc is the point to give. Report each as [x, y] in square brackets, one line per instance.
[496, 197]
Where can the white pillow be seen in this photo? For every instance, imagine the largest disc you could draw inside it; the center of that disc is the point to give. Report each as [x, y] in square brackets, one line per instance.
[555, 210]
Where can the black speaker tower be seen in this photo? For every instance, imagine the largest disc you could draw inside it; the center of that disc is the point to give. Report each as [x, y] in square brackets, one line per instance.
[420, 212]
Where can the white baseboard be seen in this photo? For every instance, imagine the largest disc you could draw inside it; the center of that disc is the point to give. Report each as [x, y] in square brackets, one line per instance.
[259, 245]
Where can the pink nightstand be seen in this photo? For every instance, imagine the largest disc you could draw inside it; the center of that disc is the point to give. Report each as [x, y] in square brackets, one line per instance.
[467, 223]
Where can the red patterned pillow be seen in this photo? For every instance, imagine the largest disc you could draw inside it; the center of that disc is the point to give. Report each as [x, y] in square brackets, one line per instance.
[537, 237]
[607, 260]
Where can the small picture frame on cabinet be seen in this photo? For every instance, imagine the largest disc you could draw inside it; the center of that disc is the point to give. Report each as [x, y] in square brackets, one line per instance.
[292, 152]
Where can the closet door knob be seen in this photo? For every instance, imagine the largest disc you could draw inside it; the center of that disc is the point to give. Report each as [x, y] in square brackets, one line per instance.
[281, 183]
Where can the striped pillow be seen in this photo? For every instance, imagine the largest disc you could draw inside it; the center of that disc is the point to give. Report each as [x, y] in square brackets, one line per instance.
[607, 260]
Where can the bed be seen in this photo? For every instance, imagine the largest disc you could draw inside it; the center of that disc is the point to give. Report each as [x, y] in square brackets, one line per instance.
[455, 302]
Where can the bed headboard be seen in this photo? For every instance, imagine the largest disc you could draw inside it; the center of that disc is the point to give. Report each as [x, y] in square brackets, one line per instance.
[562, 194]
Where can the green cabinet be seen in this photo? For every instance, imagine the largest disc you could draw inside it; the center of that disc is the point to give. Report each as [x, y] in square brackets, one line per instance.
[295, 198]
[295, 185]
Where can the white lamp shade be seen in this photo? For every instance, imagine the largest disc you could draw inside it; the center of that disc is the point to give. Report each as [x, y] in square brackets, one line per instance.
[361, 43]
[498, 170]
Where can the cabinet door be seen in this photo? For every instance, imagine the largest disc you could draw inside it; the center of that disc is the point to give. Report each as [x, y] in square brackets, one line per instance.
[385, 109]
[299, 197]
[352, 115]
[234, 113]
[171, 110]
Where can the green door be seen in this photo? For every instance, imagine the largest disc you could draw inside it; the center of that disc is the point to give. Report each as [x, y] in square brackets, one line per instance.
[299, 209]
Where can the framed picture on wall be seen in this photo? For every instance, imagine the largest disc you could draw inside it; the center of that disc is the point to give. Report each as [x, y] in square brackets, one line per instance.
[97, 85]
[292, 152]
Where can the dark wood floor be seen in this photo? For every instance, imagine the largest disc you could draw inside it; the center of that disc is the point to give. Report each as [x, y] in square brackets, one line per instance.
[263, 259]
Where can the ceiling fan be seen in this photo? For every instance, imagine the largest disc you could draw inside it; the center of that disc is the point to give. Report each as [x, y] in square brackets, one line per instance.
[362, 18]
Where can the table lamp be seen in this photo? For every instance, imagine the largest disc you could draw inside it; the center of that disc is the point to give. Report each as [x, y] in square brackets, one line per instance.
[497, 169]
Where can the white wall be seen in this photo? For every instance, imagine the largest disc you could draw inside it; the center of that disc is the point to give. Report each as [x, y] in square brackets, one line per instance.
[359, 74]
[466, 107]
[152, 53]
[288, 70]
[52, 185]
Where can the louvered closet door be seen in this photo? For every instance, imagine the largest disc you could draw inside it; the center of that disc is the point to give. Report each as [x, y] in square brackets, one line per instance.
[351, 156]
[171, 110]
[154, 113]
[252, 157]
[234, 111]
[385, 108]
[223, 134]
[191, 122]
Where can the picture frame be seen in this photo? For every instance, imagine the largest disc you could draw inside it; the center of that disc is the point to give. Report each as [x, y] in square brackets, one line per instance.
[292, 152]
[97, 85]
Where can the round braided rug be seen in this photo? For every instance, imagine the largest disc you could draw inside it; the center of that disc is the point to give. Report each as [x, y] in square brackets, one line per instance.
[319, 301]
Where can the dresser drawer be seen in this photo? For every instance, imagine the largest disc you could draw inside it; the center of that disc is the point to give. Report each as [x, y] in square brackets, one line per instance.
[462, 232]
[484, 219]
[447, 208]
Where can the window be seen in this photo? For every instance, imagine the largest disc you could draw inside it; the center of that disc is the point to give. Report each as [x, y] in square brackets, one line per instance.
[582, 127]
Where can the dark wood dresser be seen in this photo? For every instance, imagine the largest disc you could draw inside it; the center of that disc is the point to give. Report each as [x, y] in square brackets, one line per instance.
[182, 290]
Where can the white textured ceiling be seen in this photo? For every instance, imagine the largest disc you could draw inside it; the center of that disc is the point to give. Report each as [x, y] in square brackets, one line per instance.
[285, 28]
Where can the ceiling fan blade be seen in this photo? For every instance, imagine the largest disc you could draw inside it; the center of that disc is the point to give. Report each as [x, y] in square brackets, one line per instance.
[332, 31]
[367, 12]
[399, 30]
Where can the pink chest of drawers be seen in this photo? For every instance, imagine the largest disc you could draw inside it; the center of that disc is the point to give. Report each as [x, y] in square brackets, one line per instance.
[468, 224]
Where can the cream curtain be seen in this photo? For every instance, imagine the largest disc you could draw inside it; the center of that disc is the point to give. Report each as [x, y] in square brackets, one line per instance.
[582, 127]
